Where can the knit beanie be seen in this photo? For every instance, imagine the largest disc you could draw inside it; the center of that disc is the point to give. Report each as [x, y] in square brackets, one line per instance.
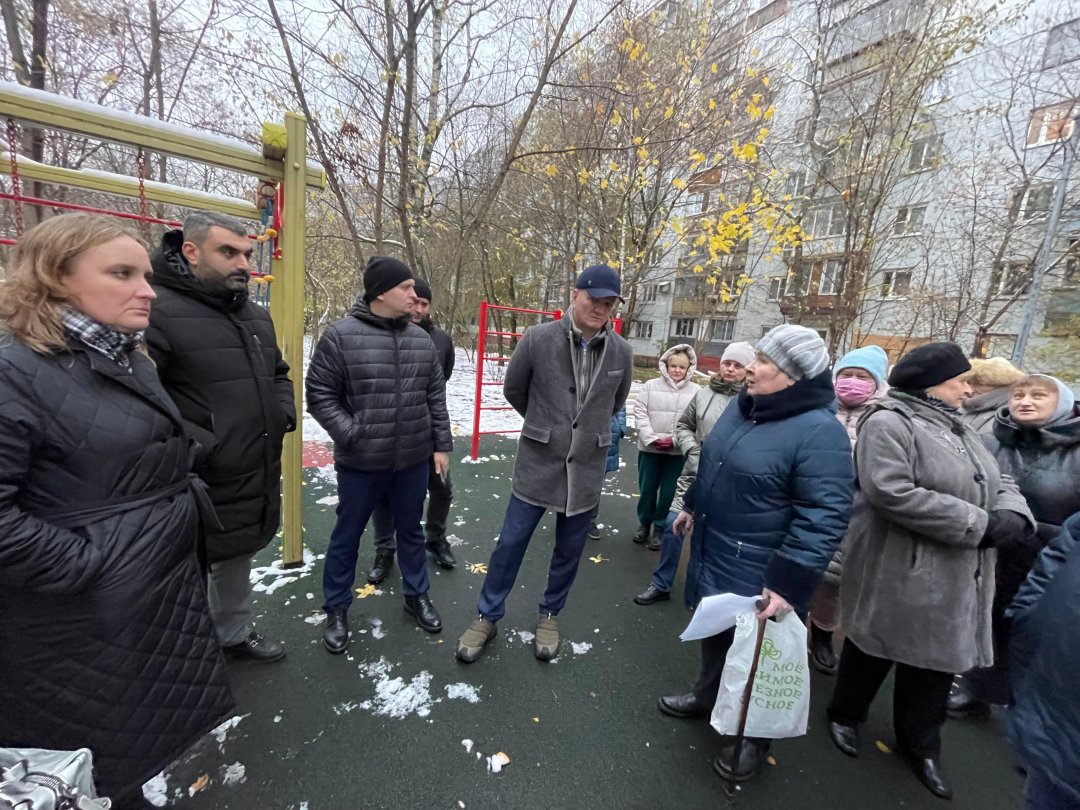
[382, 275]
[929, 365]
[871, 359]
[741, 352]
[422, 289]
[796, 350]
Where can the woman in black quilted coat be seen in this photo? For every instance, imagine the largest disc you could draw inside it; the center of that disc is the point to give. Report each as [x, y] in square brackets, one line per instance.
[105, 637]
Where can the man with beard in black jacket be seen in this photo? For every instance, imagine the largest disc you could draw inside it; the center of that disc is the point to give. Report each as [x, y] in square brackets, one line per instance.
[440, 488]
[376, 385]
[217, 356]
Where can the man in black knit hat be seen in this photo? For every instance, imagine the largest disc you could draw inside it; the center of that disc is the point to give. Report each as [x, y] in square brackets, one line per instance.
[376, 385]
[440, 489]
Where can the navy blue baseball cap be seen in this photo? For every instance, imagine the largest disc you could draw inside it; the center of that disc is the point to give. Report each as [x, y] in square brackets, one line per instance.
[599, 281]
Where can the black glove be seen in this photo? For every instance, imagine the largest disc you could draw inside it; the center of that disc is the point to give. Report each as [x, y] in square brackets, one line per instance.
[1005, 528]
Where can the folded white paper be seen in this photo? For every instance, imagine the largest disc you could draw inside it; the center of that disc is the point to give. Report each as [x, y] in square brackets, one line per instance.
[715, 614]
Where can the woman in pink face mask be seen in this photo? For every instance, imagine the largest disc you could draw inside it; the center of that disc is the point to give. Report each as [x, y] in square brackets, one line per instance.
[859, 381]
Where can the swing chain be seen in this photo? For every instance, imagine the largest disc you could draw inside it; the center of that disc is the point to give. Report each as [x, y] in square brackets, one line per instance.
[16, 181]
[140, 162]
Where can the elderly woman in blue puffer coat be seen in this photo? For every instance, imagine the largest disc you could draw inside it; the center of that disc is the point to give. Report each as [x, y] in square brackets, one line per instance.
[769, 506]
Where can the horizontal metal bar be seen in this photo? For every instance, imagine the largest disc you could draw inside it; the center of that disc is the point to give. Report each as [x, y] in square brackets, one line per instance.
[496, 407]
[121, 185]
[519, 309]
[57, 112]
[506, 334]
[495, 432]
[85, 209]
[496, 358]
[491, 383]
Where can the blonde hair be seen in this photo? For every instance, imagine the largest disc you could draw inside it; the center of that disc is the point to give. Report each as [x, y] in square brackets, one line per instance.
[996, 372]
[33, 288]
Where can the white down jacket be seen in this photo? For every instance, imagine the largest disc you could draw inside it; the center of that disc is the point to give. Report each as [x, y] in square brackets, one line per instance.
[661, 401]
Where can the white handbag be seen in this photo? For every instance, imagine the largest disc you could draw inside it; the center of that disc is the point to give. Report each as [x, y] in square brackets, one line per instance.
[37, 779]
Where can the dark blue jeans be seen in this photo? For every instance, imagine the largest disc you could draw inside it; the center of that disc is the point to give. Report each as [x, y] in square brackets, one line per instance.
[1040, 793]
[518, 527]
[358, 492]
[663, 576]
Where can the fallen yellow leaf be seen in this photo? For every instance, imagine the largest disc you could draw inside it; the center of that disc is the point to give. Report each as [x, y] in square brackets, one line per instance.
[536, 719]
[599, 558]
[476, 568]
[882, 747]
[365, 592]
[771, 760]
[199, 784]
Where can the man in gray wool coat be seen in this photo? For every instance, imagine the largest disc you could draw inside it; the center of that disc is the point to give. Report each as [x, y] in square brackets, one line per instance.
[566, 378]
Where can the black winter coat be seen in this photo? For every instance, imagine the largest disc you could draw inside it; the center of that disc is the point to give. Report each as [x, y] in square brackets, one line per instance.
[218, 359]
[376, 385]
[444, 345]
[1044, 723]
[105, 638]
[1045, 464]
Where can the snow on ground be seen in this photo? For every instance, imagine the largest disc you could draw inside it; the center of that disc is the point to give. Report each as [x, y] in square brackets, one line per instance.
[268, 578]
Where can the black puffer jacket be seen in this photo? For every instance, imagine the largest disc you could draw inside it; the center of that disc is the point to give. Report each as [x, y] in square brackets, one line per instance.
[105, 637]
[376, 385]
[1044, 723]
[219, 361]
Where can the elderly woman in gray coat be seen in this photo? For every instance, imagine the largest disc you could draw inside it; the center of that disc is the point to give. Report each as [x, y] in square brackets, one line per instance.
[918, 579]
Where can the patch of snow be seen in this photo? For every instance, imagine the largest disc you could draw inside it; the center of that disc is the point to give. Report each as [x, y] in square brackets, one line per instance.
[233, 774]
[344, 708]
[156, 791]
[580, 647]
[222, 731]
[376, 628]
[468, 746]
[453, 539]
[462, 691]
[268, 578]
[526, 636]
[397, 699]
[316, 618]
[329, 500]
[277, 718]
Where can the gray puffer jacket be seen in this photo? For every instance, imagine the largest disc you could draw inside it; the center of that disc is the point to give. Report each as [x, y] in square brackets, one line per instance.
[376, 385]
[694, 426]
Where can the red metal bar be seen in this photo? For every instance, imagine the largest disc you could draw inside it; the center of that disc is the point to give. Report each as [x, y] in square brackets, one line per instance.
[507, 334]
[496, 407]
[6, 241]
[529, 311]
[21, 198]
[481, 345]
[495, 433]
[496, 358]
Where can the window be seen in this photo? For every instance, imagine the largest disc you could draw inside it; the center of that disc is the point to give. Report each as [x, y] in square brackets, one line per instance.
[648, 295]
[689, 286]
[828, 221]
[1062, 44]
[643, 329]
[1050, 124]
[1071, 274]
[1035, 201]
[683, 327]
[802, 129]
[895, 283]
[720, 330]
[766, 329]
[832, 272]
[909, 220]
[798, 182]
[923, 153]
[776, 288]
[1011, 279]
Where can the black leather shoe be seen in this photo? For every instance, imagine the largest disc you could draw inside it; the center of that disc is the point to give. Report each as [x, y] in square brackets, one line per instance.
[752, 753]
[336, 632]
[426, 615]
[440, 550]
[593, 533]
[257, 648]
[962, 706]
[384, 561]
[846, 738]
[642, 534]
[651, 595]
[684, 707]
[822, 657]
[656, 540]
[929, 772]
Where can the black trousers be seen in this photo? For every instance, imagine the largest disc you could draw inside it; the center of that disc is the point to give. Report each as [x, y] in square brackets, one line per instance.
[714, 650]
[919, 698]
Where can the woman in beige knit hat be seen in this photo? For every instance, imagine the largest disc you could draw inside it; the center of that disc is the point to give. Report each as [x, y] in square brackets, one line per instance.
[989, 381]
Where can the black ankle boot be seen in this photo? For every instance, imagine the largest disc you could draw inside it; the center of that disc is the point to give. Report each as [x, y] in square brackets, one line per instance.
[439, 548]
[336, 633]
[426, 615]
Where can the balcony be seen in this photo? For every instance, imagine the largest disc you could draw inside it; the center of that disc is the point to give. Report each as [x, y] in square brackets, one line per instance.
[803, 305]
[698, 308]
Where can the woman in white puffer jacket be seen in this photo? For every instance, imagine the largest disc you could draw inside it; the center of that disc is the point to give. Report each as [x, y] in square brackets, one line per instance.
[660, 461]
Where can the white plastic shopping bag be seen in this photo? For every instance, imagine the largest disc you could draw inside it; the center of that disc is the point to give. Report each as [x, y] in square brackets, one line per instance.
[780, 700]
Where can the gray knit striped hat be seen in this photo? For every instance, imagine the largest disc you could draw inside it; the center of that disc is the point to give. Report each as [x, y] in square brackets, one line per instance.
[797, 351]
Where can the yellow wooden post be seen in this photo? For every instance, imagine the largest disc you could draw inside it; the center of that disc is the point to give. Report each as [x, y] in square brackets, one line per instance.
[287, 310]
